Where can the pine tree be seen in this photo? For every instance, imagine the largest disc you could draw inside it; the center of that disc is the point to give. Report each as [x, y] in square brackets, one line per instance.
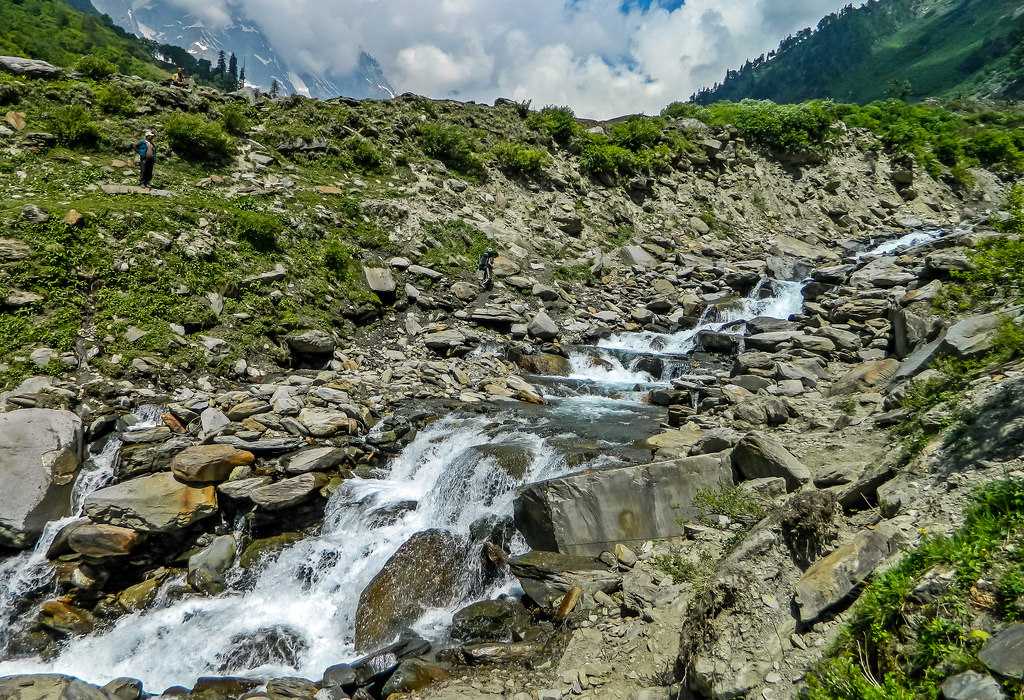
[241, 78]
[233, 72]
[275, 88]
[221, 69]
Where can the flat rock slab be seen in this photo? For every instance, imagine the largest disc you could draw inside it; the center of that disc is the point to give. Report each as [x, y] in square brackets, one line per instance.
[547, 576]
[971, 685]
[758, 457]
[1004, 653]
[831, 579]
[589, 512]
[110, 188]
[30, 68]
[48, 686]
[40, 450]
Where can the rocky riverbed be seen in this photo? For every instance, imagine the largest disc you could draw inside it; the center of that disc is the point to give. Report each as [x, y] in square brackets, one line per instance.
[669, 474]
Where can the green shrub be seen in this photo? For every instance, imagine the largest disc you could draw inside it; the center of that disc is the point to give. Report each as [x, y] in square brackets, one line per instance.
[996, 147]
[366, 154]
[339, 258]
[637, 133]
[602, 159]
[520, 159]
[198, 139]
[73, 126]
[790, 129]
[258, 230]
[1015, 206]
[456, 244]
[579, 273]
[452, 144]
[114, 99]
[95, 67]
[234, 120]
[557, 122]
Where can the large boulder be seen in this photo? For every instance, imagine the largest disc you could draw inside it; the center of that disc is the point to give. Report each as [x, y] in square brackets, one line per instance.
[48, 686]
[40, 450]
[29, 68]
[154, 503]
[975, 335]
[867, 376]
[380, 281]
[547, 576]
[209, 463]
[587, 513]
[206, 568]
[423, 573]
[98, 540]
[543, 327]
[832, 578]
[489, 621]
[1004, 653]
[288, 492]
[758, 456]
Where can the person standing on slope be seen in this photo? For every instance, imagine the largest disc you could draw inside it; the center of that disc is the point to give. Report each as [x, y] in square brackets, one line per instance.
[486, 268]
[147, 158]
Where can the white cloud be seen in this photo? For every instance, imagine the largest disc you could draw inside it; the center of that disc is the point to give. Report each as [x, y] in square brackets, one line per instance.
[587, 54]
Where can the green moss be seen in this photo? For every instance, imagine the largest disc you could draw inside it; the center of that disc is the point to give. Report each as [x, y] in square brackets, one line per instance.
[579, 273]
[114, 99]
[258, 230]
[897, 647]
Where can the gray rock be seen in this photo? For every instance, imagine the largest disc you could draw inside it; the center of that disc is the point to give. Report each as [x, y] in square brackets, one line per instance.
[547, 576]
[757, 456]
[40, 450]
[831, 579]
[206, 569]
[48, 686]
[971, 685]
[543, 327]
[124, 688]
[448, 342]
[974, 335]
[208, 463]
[154, 503]
[380, 281]
[1004, 653]
[29, 68]
[12, 250]
[288, 492]
[636, 256]
[867, 376]
[240, 489]
[312, 342]
[317, 459]
[587, 513]
[489, 621]
[325, 422]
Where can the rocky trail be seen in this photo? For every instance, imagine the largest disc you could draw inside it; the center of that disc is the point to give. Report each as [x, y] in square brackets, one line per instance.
[660, 466]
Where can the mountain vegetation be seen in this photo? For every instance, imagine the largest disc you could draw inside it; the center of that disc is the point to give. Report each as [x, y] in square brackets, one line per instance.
[910, 49]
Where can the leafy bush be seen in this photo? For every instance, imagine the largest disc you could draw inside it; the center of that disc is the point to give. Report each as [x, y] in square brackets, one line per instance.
[73, 126]
[234, 120]
[557, 122]
[366, 154]
[520, 159]
[258, 230]
[452, 144]
[791, 128]
[602, 159]
[456, 244]
[195, 138]
[340, 259]
[95, 67]
[114, 99]
[637, 133]
[1015, 206]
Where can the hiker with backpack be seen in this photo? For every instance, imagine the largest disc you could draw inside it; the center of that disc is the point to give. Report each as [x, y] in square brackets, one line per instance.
[147, 158]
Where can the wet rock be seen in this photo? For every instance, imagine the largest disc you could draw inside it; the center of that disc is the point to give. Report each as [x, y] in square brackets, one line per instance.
[288, 492]
[590, 512]
[40, 450]
[139, 596]
[48, 686]
[206, 569]
[287, 688]
[412, 675]
[155, 503]
[97, 540]
[971, 685]
[489, 621]
[544, 364]
[831, 579]
[278, 645]
[222, 688]
[547, 576]
[124, 689]
[263, 549]
[423, 573]
[757, 456]
[63, 618]
[1003, 654]
[209, 463]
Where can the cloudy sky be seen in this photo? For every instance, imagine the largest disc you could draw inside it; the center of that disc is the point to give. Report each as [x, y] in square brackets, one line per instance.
[602, 57]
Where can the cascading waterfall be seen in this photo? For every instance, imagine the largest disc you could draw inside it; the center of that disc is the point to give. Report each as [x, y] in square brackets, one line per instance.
[30, 572]
[305, 600]
[910, 240]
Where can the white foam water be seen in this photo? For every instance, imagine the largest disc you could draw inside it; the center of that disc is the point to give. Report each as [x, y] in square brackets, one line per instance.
[785, 300]
[309, 594]
[30, 572]
[905, 242]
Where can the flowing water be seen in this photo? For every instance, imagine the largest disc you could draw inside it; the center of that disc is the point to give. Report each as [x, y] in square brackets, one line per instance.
[905, 242]
[300, 608]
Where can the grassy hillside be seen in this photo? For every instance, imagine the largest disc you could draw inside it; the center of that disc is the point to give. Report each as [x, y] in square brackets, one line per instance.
[58, 32]
[905, 48]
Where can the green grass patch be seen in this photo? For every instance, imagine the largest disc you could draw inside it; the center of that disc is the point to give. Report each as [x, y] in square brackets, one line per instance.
[898, 647]
[114, 99]
[454, 145]
[578, 273]
[456, 245]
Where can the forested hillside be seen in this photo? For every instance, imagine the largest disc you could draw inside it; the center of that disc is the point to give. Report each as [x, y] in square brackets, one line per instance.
[903, 48]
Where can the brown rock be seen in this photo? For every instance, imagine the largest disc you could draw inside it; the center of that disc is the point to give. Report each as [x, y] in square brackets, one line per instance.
[209, 463]
[97, 540]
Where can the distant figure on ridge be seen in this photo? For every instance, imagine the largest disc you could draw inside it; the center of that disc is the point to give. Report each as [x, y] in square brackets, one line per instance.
[486, 268]
[147, 157]
[179, 77]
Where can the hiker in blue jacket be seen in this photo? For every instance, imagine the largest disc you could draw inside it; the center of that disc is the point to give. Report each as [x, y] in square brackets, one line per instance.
[147, 157]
